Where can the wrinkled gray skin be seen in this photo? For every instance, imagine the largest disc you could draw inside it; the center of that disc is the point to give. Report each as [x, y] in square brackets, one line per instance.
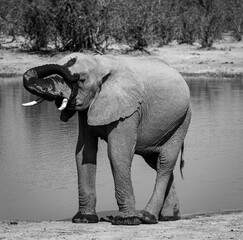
[139, 106]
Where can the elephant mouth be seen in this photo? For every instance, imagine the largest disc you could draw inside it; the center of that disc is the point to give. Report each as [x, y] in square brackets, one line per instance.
[63, 105]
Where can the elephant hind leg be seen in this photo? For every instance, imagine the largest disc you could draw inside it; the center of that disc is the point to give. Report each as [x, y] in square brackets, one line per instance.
[171, 208]
[151, 159]
[164, 192]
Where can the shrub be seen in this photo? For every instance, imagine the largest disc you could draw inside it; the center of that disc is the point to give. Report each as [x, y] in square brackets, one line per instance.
[37, 23]
[234, 12]
[187, 25]
[211, 22]
[82, 24]
[75, 25]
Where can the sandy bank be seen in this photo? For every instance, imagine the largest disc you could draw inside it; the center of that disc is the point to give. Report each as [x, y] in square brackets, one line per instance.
[215, 226]
[224, 60]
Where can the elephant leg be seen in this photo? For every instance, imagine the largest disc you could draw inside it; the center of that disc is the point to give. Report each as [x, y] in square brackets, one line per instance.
[166, 161]
[121, 146]
[171, 207]
[86, 169]
[87, 195]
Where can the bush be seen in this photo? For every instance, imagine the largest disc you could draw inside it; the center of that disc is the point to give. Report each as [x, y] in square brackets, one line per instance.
[211, 22]
[133, 23]
[210, 29]
[11, 13]
[234, 12]
[75, 25]
[37, 23]
[187, 25]
[82, 24]
[165, 23]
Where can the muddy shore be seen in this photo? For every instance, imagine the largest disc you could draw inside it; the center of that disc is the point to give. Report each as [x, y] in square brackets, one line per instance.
[225, 60]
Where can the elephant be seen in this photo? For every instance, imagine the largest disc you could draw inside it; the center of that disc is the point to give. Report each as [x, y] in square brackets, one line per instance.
[138, 105]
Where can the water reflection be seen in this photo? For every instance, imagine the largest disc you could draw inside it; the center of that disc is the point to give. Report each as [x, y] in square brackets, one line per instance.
[37, 163]
[215, 143]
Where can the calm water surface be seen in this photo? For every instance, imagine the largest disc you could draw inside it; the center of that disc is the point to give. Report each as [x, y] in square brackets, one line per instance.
[37, 163]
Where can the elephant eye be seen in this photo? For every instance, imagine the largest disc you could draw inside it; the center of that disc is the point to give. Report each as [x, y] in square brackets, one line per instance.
[82, 77]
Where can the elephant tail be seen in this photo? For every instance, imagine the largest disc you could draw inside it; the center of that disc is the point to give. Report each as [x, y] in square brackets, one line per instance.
[182, 162]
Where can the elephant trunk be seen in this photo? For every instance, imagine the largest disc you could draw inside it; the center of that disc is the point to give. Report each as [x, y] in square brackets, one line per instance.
[40, 72]
[48, 81]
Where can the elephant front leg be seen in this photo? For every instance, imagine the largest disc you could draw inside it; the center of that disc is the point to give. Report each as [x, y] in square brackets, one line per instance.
[86, 154]
[86, 193]
[121, 146]
[124, 196]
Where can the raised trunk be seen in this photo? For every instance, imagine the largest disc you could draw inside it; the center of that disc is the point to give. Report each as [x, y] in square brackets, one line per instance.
[49, 69]
[49, 81]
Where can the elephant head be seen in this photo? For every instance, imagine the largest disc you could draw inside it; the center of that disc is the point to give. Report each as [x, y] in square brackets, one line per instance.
[90, 83]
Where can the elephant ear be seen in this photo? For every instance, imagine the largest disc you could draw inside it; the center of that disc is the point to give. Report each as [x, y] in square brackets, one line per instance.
[119, 97]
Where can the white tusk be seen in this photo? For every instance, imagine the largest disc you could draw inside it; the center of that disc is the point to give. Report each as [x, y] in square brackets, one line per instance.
[37, 101]
[64, 104]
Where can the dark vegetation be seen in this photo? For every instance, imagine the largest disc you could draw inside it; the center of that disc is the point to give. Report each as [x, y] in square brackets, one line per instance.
[75, 25]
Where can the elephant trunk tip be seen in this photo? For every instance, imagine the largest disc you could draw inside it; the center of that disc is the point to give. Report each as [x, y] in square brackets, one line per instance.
[31, 73]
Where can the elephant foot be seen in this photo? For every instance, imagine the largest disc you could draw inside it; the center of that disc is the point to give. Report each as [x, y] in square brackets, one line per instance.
[118, 220]
[85, 218]
[147, 218]
[169, 218]
[170, 214]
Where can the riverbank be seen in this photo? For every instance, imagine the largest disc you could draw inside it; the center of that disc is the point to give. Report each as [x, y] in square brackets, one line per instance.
[224, 225]
[225, 59]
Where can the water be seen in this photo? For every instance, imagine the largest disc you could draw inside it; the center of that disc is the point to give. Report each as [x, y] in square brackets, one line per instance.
[37, 163]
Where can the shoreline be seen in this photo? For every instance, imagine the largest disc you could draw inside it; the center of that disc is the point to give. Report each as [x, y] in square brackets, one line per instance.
[218, 225]
[223, 61]
[113, 213]
[184, 216]
[104, 214]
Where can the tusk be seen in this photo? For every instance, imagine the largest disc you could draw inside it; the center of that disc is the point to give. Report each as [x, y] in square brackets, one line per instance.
[64, 104]
[37, 101]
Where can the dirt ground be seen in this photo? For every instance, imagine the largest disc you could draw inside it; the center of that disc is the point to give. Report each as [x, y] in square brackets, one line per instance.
[224, 60]
[211, 226]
